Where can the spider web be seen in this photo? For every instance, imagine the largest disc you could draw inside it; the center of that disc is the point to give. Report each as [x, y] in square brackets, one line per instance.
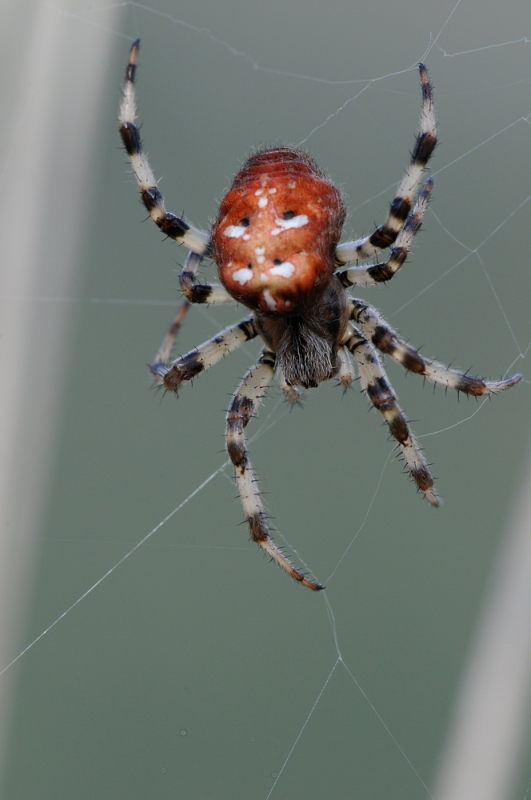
[164, 657]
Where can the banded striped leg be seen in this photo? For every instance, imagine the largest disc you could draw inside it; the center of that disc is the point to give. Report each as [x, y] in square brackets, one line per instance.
[387, 341]
[244, 405]
[212, 294]
[379, 273]
[206, 355]
[380, 392]
[172, 226]
[163, 355]
[385, 234]
[198, 294]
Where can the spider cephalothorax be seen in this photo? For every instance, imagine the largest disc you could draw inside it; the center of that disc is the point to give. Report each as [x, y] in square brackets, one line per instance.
[275, 242]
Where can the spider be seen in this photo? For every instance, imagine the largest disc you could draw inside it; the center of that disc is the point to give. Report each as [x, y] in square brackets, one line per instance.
[275, 243]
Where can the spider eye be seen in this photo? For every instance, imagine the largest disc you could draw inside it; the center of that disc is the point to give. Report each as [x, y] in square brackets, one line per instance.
[249, 266]
[288, 215]
[277, 261]
[245, 222]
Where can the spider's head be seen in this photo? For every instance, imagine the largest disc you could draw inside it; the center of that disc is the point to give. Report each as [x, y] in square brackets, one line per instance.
[276, 232]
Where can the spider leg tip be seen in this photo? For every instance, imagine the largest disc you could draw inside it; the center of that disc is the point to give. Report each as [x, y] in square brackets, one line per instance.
[316, 587]
[131, 62]
[433, 498]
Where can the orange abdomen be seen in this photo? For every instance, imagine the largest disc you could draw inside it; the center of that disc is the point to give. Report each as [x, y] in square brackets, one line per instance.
[276, 232]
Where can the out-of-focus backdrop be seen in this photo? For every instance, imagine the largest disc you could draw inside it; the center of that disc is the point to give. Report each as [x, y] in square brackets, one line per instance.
[196, 669]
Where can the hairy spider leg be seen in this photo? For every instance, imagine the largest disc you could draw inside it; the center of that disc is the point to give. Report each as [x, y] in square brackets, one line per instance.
[172, 226]
[206, 355]
[346, 374]
[380, 273]
[291, 393]
[209, 293]
[198, 293]
[375, 384]
[164, 352]
[389, 342]
[385, 234]
[244, 405]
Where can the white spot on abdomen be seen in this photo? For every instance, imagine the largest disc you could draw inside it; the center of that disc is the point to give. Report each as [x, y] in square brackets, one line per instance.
[285, 270]
[262, 202]
[284, 224]
[260, 254]
[242, 275]
[269, 300]
[234, 231]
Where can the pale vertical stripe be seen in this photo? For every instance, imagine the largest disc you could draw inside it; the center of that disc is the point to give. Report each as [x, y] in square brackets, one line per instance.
[53, 70]
[491, 721]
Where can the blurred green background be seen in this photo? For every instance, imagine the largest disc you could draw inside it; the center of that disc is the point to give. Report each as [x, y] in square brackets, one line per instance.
[191, 670]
